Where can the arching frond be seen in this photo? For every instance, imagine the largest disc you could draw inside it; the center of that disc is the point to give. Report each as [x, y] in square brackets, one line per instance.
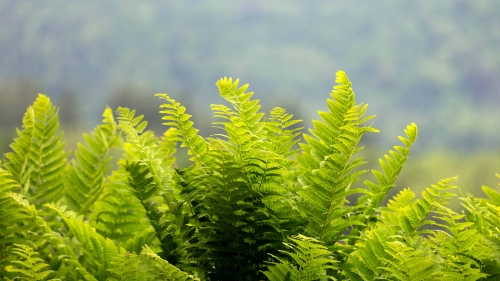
[391, 167]
[87, 171]
[176, 117]
[38, 159]
[327, 168]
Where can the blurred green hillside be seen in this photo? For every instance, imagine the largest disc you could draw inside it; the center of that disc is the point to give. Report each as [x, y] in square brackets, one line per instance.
[435, 63]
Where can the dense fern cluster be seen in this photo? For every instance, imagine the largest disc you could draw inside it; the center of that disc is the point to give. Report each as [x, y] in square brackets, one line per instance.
[257, 203]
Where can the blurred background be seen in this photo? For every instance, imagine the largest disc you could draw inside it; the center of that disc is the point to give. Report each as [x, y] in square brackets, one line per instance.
[435, 63]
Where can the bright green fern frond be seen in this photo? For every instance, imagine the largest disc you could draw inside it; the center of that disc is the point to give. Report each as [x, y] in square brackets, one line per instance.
[391, 167]
[176, 117]
[492, 194]
[147, 266]
[118, 214]
[38, 159]
[86, 172]
[409, 264]
[98, 250]
[128, 267]
[281, 139]
[151, 182]
[20, 220]
[486, 219]
[28, 266]
[328, 169]
[414, 217]
[168, 146]
[462, 247]
[247, 110]
[147, 153]
[17, 215]
[162, 269]
[308, 260]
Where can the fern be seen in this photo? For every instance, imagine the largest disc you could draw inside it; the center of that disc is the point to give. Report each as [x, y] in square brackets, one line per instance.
[98, 250]
[86, 172]
[25, 223]
[118, 215]
[493, 195]
[327, 169]
[309, 261]
[391, 167]
[37, 161]
[240, 211]
[462, 249]
[146, 266]
[15, 216]
[246, 200]
[395, 241]
[176, 117]
[28, 266]
[151, 182]
[408, 263]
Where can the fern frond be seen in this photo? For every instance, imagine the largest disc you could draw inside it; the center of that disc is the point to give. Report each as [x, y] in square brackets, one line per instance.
[20, 222]
[391, 167]
[409, 264]
[86, 172]
[247, 110]
[176, 117]
[17, 216]
[128, 267]
[308, 260]
[98, 250]
[462, 248]
[38, 159]
[436, 196]
[281, 139]
[28, 266]
[492, 194]
[117, 214]
[328, 169]
[147, 153]
[168, 146]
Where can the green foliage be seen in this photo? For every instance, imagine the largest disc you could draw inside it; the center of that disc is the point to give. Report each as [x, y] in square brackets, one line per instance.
[37, 161]
[310, 261]
[255, 203]
[91, 163]
[28, 266]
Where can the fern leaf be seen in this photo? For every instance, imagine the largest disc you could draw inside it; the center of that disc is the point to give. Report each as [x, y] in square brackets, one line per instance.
[327, 164]
[28, 266]
[409, 264]
[147, 153]
[492, 194]
[20, 220]
[391, 167]
[308, 260]
[98, 249]
[38, 159]
[117, 214]
[86, 173]
[15, 217]
[176, 117]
